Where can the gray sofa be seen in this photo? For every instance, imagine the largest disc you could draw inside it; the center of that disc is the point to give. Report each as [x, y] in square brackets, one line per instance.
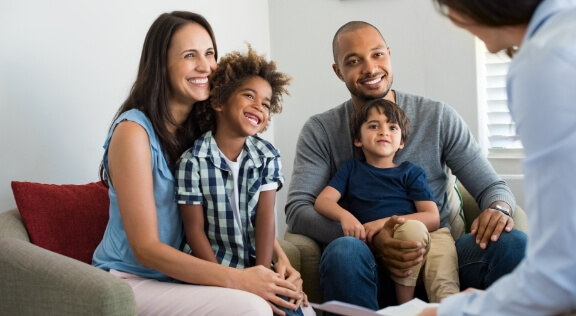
[36, 281]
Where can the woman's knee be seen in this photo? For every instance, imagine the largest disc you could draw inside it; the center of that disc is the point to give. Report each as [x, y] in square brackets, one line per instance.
[246, 303]
[159, 298]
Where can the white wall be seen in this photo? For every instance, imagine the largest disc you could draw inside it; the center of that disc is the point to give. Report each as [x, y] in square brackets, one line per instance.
[66, 66]
[430, 57]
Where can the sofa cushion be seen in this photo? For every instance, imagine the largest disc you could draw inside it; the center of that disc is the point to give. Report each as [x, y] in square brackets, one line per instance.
[456, 204]
[69, 219]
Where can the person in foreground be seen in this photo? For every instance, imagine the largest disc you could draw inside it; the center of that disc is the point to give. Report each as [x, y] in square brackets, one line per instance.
[144, 238]
[349, 271]
[376, 189]
[541, 96]
[227, 182]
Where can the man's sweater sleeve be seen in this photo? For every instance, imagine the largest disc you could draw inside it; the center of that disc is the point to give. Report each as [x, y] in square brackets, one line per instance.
[311, 174]
[471, 167]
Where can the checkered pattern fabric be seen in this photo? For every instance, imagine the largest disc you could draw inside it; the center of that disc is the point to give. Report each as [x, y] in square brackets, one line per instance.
[203, 177]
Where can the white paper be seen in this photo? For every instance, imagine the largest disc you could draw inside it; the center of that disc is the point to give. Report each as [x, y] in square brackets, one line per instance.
[344, 309]
[410, 308]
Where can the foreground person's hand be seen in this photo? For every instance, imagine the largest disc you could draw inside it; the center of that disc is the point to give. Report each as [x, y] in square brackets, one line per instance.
[429, 311]
[433, 311]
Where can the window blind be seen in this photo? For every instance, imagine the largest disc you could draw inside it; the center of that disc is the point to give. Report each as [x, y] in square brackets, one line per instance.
[501, 129]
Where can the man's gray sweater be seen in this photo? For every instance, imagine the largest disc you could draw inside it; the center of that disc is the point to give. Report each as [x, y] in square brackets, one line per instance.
[439, 137]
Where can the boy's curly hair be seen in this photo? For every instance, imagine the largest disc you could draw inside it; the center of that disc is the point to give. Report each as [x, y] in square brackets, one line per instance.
[232, 71]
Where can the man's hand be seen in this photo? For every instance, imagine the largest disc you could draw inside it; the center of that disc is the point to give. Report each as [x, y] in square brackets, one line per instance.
[489, 226]
[397, 255]
[372, 228]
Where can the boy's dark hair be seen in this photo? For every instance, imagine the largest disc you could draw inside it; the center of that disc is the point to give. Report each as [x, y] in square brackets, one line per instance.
[392, 111]
[232, 71]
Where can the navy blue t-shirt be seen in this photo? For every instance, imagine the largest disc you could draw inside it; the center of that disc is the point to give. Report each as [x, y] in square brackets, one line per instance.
[372, 193]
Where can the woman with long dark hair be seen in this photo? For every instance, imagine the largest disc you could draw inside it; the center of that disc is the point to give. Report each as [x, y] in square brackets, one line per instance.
[144, 237]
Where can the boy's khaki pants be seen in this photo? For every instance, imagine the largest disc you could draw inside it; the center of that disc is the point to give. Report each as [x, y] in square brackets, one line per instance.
[440, 265]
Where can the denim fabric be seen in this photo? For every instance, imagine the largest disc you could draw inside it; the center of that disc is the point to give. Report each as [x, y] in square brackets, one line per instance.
[480, 268]
[290, 312]
[349, 271]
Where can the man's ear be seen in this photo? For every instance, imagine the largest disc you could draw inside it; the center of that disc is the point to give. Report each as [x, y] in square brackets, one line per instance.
[357, 143]
[337, 71]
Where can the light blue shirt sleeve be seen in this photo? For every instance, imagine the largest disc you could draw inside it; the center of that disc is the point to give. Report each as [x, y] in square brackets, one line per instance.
[542, 99]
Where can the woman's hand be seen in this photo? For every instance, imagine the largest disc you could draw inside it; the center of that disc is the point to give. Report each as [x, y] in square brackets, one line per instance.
[285, 270]
[270, 286]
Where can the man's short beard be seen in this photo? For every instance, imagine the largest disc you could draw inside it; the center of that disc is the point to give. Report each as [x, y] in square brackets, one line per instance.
[366, 97]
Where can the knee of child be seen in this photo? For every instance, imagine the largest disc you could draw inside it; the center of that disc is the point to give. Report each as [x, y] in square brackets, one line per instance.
[413, 230]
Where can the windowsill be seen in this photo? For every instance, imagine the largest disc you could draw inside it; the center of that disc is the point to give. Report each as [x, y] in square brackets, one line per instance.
[506, 161]
[506, 153]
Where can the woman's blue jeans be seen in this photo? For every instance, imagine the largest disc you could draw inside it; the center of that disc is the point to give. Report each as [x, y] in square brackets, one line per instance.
[349, 271]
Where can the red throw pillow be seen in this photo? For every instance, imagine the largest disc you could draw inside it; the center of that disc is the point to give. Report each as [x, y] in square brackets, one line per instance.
[69, 219]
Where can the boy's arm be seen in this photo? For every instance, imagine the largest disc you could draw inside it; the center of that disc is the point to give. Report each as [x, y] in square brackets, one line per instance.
[265, 228]
[427, 213]
[327, 205]
[193, 220]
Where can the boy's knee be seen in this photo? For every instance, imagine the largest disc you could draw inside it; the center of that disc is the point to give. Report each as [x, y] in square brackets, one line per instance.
[413, 230]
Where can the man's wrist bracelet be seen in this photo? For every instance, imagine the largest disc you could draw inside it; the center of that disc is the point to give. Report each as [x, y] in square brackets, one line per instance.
[501, 209]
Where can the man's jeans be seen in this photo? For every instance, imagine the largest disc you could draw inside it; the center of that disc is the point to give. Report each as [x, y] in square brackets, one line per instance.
[349, 271]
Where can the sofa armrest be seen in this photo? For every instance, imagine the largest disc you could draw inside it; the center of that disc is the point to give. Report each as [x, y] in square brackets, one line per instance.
[12, 225]
[520, 219]
[472, 211]
[36, 281]
[291, 252]
[310, 254]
